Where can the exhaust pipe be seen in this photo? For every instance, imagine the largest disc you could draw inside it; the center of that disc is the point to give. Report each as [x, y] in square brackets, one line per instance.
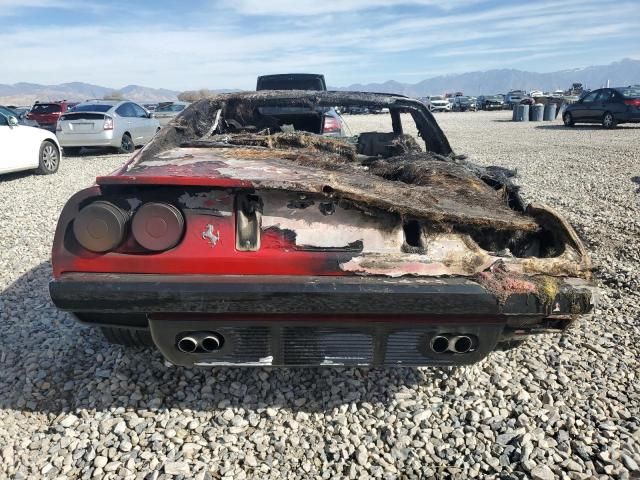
[187, 344]
[439, 344]
[460, 344]
[212, 342]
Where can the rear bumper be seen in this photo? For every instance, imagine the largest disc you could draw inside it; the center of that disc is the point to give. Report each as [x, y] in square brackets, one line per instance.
[629, 117]
[252, 294]
[105, 139]
[269, 320]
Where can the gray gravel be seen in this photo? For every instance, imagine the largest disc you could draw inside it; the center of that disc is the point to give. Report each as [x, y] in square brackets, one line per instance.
[72, 406]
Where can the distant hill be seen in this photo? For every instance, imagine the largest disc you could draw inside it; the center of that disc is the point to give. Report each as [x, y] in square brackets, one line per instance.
[27, 93]
[624, 72]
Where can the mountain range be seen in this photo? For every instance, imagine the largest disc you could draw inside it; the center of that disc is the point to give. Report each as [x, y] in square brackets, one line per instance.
[28, 93]
[623, 72]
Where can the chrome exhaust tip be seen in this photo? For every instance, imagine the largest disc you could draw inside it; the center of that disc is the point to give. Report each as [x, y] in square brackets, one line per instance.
[439, 344]
[212, 342]
[187, 344]
[460, 344]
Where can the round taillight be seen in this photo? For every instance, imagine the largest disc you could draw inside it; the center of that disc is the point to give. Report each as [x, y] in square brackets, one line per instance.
[100, 226]
[157, 226]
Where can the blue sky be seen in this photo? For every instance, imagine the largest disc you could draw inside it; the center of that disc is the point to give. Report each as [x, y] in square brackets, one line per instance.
[227, 43]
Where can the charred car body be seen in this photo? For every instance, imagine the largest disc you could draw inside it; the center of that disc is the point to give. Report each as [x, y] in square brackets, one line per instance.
[228, 241]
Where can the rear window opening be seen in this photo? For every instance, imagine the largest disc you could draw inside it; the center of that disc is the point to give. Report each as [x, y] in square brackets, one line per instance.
[83, 116]
[92, 107]
[306, 122]
[46, 108]
[630, 92]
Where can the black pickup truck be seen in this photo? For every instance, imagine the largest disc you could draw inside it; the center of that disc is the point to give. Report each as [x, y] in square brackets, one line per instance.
[326, 121]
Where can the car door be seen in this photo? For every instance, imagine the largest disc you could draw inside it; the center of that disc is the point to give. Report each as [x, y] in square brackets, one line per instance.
[125, 122]
[600, 105]
[582, 110]
[18, 150]
[147, 125]
[616, 104]
[137, 124]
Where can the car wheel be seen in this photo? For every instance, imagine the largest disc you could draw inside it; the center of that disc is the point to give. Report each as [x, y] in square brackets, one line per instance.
[127, 337]
[567, 118]
[126, 144]
[608, 120]
[49, 159]
[72, 151]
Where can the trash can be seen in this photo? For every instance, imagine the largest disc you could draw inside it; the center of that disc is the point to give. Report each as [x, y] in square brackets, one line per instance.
[514, 112]
[522, 114]
[550, 112]
[538, 112]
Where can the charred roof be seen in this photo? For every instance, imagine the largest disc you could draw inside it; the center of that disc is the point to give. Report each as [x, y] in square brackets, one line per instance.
[206, 117]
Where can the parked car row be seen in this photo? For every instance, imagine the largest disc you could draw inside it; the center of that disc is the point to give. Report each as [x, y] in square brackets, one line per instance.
[35, 138]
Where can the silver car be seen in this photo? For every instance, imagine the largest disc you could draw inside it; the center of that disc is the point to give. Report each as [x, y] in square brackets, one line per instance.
[166, 111]
[123, 125]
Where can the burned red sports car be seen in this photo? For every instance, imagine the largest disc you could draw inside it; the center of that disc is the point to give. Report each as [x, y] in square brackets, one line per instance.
[242, 236]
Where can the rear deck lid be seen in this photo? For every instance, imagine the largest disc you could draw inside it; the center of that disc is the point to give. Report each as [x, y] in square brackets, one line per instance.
[83, 122]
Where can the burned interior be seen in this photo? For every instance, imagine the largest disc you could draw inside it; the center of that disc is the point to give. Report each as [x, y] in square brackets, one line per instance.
[252, 189]
[432, 194]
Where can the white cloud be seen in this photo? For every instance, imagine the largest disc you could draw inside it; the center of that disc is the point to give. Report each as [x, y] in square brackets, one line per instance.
[14, 8]
[160, 57]
[315, 7]
[226, 49]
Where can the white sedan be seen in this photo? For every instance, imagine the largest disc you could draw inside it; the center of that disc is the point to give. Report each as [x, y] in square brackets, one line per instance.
[26, 148]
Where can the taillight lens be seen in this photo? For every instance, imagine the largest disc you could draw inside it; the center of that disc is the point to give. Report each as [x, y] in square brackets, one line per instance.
[634, 102]
[157, 226]
[108, 123]
[331, 125]
[100, 226]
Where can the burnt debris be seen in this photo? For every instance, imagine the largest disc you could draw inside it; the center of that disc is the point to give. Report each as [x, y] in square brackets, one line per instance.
[387, 171]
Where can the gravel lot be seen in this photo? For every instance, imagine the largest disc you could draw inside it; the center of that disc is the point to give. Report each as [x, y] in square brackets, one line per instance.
[72, 406]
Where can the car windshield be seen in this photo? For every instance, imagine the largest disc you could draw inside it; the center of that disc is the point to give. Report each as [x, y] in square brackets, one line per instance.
[170, 108]
[629, 92]
[92, 107]
[463, 99]
[494, 97]
[6, 112]
[437, 98]
[46, 108]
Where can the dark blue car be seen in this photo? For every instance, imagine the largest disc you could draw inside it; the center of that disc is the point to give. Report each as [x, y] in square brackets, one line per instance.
[608, 106]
